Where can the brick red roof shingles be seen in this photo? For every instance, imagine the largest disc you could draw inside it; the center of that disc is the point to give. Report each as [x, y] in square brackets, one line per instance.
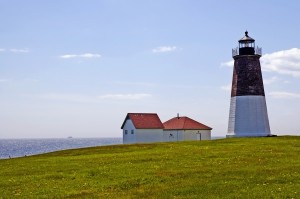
[144, 121]
[184, 123]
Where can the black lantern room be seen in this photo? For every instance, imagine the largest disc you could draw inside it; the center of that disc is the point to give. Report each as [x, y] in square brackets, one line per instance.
[246, 45]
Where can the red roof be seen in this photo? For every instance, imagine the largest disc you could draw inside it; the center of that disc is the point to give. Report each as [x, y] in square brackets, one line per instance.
[144, 121]
[184, 123]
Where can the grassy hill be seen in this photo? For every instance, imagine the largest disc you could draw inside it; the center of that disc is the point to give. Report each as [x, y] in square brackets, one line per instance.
[227, 168]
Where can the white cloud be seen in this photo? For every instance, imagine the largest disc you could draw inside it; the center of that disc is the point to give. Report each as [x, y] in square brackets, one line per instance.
[68, 56]
[228, 64]
[226, 87]
[19, 50]
[283, 62]
[271, 80]
[164, 49]
[2, 50]
[125, 96]
[85, 55]
[90, 55]
[285, 95]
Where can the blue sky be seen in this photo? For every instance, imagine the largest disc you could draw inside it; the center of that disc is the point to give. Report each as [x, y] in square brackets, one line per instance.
[75, 68]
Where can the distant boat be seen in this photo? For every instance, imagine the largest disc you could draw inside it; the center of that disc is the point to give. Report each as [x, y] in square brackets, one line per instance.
[70, 137]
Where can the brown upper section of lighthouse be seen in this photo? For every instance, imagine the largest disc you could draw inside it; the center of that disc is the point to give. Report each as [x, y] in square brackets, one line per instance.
[247, 77]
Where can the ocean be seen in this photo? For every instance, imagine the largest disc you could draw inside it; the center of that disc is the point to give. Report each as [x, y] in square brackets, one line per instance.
[11, 148]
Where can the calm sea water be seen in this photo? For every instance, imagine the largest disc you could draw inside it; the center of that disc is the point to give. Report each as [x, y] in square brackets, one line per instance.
[10, 148]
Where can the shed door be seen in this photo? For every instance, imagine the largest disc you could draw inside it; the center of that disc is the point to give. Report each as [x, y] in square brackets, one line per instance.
[199, 136]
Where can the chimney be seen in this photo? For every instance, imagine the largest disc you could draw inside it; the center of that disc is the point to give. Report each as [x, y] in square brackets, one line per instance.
[177, 115]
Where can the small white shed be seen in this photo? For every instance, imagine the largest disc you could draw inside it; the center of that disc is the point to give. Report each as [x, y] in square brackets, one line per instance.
[185, 128]
[142, 127]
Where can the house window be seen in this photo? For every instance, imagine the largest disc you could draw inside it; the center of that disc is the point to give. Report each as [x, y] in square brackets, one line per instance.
[126, 132]
[132, 131]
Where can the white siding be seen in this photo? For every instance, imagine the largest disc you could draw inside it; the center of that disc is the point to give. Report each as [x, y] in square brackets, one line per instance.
[197, 135]
[129, 138]
[149, 135]
[160, 135]
[172, 135]
[140, 135]
[248, 116]
[181, 135]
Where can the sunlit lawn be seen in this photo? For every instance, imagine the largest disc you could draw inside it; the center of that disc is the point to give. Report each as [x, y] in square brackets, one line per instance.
[227, 168]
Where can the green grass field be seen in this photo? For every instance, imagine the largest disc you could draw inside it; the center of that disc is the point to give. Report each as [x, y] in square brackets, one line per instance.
[227, 168]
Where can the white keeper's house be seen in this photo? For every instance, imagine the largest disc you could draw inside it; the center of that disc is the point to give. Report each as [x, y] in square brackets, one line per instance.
[147, 127]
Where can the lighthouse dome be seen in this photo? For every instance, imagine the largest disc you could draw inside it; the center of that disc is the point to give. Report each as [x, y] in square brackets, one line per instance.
[246, 38]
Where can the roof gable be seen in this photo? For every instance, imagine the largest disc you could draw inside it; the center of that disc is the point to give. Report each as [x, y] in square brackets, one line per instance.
[144, 121]
[184, 123]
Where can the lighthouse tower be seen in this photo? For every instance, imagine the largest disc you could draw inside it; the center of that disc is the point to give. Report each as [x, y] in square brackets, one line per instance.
[248, 114]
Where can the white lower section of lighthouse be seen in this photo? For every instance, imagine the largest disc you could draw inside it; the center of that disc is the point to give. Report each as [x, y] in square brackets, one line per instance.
[248, 117]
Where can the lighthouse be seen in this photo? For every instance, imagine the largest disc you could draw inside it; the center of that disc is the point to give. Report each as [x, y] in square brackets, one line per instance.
[248, 116]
